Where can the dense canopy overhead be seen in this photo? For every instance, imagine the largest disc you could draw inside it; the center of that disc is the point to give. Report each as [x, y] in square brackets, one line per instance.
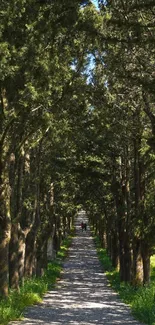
[77, 129]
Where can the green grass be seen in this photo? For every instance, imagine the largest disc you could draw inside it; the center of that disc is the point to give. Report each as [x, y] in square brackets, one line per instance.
[33, 290]
[153, 268]
[64, 248]
[142, 299]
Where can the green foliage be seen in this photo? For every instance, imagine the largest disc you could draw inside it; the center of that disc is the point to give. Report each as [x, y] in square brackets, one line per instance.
[64, 247]
[103, 257]
[85, 130]
[143, 305]
[153, 268]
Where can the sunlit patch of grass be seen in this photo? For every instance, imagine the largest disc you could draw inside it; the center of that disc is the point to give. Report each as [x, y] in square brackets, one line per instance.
[32, 292]
[64, 247]
[103, 257]
[63, 252]
[12, 308]
[143, 305]
[153, 268]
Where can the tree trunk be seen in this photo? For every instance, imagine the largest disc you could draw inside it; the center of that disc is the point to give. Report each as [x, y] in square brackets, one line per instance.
[139, 185]
[30, 253]
[120, 191]
[21, 254]
[13, 258]
[15, 178]
[115, 251]
[127, 259]
[101, 231]
[51, 253]
[5, 228]
[137, 269]
[41, 257]
[55, 242]
[121, 256]
[146, 263]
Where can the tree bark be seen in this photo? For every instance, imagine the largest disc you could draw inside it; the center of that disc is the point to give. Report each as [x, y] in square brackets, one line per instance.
[21, 254]
[139, 180]
[5, 229]
[41, 256]
[115, 250]
[16, 173]
[146, 263]
[13, 258]
[121, 194]
[29, 269]
[137, 269]
[30, 252]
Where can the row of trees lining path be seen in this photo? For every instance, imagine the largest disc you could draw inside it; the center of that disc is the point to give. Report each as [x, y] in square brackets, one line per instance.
[77, 127]
[82, 296]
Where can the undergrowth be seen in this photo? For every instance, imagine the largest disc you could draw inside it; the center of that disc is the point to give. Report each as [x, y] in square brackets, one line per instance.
[33, 290]
[141, 299]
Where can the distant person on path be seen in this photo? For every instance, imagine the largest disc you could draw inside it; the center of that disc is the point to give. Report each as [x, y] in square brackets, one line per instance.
[83, 226]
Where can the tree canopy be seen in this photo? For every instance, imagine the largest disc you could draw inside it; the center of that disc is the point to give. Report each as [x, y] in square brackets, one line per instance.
[77, 129]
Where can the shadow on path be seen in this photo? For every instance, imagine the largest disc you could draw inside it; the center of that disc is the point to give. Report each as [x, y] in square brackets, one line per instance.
[82, 296]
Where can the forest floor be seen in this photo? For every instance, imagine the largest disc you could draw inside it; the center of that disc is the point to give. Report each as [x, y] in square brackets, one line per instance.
[82, 296]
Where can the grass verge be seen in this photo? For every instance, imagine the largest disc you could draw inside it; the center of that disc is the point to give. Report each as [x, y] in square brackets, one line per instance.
[32, 292]
[142, 299]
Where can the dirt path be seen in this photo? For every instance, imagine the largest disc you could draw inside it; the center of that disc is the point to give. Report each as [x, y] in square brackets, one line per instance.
[82, 296]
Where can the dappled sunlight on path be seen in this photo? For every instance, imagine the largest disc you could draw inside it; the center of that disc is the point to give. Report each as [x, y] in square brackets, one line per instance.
[82, 296]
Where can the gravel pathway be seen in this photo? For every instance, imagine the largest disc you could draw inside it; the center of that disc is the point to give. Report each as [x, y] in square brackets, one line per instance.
[82, 296]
